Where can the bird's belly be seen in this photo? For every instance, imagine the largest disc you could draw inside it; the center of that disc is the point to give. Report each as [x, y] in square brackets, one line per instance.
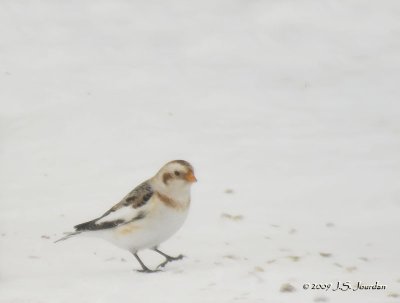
[148, 232]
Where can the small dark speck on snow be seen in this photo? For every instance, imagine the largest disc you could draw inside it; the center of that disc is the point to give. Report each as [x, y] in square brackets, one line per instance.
[351, 268]
[287, 287]
[232, 217]
[321, 299]
[229, 191]
[294, 258]
[45, 237]
[232, 257]
[325, 255]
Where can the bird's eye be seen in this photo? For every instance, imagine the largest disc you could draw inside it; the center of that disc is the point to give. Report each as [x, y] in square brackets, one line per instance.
[177, 173]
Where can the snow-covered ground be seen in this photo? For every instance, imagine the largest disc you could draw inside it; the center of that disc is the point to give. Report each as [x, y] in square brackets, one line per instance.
[289, 110]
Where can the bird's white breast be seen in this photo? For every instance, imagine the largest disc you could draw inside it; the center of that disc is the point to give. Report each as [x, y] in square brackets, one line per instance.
[161, 222]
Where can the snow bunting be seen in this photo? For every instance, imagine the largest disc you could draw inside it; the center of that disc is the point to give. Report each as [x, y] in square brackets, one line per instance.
[148, 215]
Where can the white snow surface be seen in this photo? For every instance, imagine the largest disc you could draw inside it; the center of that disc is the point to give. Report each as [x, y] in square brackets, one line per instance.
[289, 111]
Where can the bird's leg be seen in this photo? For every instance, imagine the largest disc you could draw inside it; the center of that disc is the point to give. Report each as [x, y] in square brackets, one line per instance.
[167, 257]
[144, 267]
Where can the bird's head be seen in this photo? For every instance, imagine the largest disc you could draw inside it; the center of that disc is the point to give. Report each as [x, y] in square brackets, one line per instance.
[176, 175]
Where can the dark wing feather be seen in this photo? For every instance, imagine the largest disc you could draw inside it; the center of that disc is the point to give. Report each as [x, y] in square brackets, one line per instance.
[135, 199]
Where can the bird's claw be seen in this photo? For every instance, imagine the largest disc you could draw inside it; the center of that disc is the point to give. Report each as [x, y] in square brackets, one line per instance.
[148, 271]
[177, 258]
[170, 259]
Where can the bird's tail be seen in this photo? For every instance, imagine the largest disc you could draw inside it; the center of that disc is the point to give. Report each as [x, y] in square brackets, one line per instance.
[68, 235]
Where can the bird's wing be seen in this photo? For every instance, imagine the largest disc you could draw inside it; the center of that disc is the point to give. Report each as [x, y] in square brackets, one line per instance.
[131, 208]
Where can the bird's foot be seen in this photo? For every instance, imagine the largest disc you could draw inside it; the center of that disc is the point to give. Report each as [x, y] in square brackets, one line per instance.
[170, 259]
[176, 258]
[148, 271]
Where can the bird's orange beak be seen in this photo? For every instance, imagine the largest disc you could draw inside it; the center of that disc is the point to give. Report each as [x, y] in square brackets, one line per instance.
[190, 177]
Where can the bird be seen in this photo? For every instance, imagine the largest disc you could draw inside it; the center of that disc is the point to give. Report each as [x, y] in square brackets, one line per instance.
[148, 215]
